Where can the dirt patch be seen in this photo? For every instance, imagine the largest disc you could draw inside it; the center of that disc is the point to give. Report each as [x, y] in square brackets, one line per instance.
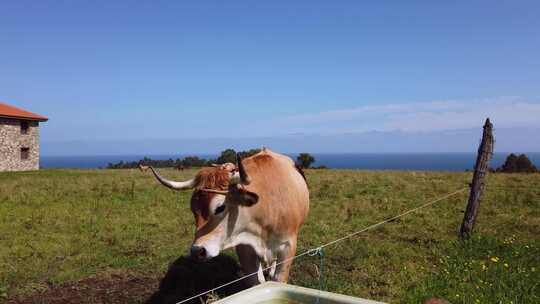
[184, 279]
[111, 289]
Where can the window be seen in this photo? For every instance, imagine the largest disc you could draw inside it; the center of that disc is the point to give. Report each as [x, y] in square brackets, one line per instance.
[24, 127]
[25, 153]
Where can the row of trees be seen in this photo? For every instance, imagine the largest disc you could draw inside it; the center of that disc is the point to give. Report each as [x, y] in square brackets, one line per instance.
[179, 163]
[513, 164]
[304, 160]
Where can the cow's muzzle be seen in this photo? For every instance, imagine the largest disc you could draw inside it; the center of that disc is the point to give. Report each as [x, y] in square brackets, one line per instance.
[199, 253]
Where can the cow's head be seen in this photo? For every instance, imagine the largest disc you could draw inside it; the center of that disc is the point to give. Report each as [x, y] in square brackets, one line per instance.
[218, 192]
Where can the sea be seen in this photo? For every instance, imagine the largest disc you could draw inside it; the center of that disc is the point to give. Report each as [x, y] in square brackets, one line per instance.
[363, 161]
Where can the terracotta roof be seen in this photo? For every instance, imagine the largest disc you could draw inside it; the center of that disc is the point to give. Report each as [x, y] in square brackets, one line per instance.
[13, 112]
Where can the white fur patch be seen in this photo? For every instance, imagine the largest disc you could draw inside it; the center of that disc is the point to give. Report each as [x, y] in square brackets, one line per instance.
[212, 247]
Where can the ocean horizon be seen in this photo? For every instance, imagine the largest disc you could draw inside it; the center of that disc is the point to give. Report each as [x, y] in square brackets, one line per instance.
[364, 161]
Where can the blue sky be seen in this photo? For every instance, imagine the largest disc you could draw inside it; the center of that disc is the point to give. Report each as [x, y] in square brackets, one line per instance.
[156, 71]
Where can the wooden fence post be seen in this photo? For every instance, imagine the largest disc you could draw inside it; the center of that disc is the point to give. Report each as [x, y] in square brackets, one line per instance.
[485, 151]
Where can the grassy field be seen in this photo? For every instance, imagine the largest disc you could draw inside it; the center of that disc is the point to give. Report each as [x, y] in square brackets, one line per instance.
[113, 236]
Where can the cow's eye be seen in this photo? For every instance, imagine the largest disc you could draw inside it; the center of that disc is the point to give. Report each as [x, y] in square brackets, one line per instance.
[220, 209]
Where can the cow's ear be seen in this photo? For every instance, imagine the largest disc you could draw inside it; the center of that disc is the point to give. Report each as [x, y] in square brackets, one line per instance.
[245, 198]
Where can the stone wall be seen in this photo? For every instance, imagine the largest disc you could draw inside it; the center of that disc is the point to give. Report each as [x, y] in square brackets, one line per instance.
[11, 142]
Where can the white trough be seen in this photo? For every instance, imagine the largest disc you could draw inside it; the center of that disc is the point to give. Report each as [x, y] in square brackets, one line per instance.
[279, 293]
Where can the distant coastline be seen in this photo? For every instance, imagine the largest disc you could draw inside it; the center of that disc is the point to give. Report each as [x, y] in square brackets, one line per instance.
[366, 161]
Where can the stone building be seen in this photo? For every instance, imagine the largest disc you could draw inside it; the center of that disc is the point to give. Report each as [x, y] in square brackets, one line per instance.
[19, 139]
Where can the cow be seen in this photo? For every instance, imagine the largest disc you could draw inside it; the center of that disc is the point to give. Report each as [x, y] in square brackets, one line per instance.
[256, 206]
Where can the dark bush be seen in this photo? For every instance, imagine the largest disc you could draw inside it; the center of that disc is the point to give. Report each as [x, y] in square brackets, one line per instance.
[517, 164]
[304, 160]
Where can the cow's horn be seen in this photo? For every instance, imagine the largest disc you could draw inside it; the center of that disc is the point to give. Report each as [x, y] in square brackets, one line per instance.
[241, 177]
[189, 184]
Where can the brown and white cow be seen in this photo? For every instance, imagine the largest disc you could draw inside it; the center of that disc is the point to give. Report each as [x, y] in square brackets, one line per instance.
[256, 206]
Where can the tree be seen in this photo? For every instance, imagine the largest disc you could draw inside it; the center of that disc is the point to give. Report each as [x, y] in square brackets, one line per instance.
[524, 164]
[227, 156]
[304, 160]
[517, 164]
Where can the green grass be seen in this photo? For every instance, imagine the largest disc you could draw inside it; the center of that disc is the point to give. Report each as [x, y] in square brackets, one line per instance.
[485, 270]
[60, 226]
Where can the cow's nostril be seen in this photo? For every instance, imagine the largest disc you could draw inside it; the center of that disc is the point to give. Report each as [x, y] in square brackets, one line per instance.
[198, 252]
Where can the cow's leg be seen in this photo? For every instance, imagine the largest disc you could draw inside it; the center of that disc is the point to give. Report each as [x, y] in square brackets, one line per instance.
[284, 261]
[250, 263]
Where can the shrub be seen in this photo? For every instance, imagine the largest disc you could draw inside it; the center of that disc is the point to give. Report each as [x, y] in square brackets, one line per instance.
[304, 160]
[517, 164]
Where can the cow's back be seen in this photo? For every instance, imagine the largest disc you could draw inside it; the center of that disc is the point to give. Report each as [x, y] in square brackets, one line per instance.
[283, 194]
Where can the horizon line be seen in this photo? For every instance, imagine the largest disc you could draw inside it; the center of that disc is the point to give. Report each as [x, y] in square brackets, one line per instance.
[286, 153]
